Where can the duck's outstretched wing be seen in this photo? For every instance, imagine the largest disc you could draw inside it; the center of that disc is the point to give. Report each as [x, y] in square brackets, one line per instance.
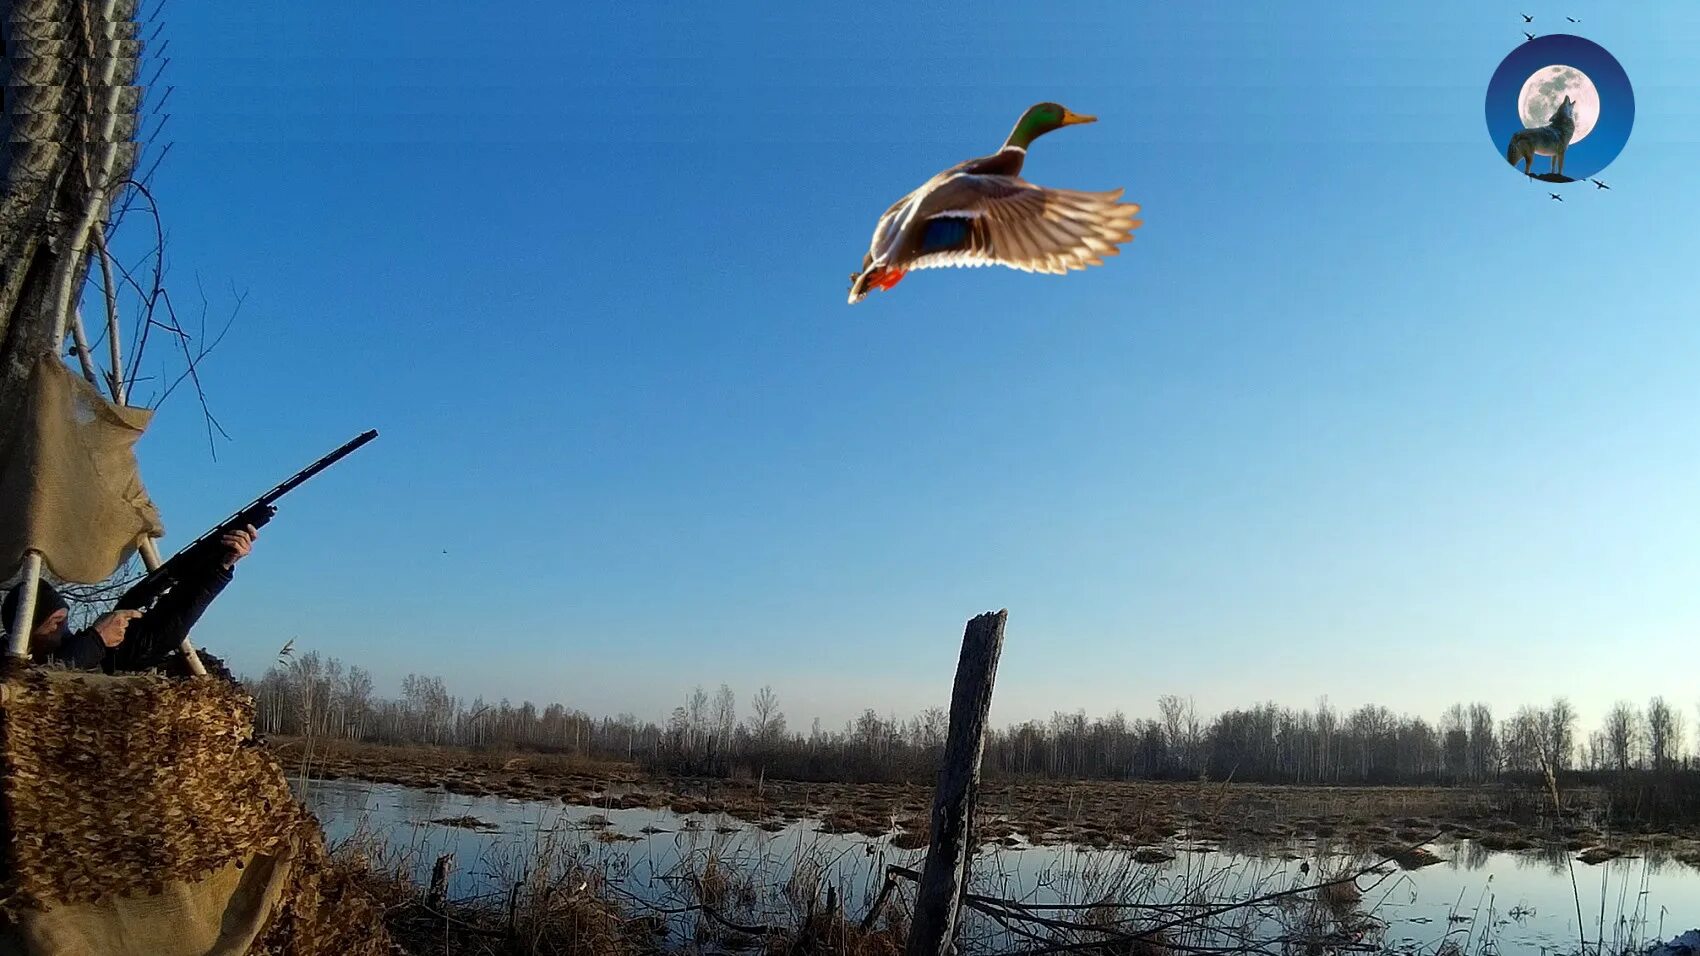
[972, 220]
[888, 229]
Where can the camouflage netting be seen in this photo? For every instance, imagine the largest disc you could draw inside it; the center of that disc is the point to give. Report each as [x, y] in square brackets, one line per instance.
[325, 912]
[139, 806]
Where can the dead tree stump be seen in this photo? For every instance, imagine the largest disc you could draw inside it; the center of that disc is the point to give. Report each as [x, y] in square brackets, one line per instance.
[438, 895]
[945, 878]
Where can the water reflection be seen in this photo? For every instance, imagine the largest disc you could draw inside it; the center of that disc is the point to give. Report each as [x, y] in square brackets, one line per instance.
[1470, 855]
[1480, 900]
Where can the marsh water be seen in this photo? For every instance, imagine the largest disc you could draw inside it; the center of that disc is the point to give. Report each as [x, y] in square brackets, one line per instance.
[1476, 900]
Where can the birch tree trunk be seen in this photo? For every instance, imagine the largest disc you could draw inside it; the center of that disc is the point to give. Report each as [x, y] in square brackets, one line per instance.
[66, 142]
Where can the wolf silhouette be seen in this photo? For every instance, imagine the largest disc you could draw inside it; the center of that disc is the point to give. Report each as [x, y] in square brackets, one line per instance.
[1549, 140]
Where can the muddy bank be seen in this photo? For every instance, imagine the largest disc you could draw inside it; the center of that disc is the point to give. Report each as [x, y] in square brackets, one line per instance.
[1247, 818]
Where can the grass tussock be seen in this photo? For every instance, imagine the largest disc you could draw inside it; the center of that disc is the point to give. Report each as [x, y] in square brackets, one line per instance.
[1502, 841]
[1345, 893]
[570, 911]
[1408, 857]
[1595, 855]
[465, 822]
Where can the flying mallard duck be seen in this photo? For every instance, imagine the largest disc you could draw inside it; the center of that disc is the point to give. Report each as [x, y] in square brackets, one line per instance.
[982, 212]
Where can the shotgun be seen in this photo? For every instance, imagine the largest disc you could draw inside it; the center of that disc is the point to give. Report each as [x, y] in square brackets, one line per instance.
[196, 558]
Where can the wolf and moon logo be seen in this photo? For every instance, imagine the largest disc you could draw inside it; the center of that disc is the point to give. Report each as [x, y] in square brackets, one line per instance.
[1559, 109]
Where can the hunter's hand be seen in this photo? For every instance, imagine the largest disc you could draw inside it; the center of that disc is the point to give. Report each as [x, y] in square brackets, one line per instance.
[237, 544]
[112, 625]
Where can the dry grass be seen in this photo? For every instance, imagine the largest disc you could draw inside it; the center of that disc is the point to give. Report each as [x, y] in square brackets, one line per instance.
[727, 896]
[569, 912]
[556, 904]
[911, 840]
[528, 777]
[737, 897]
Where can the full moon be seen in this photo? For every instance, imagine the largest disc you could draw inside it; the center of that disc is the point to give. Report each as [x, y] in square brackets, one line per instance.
[1548, 86]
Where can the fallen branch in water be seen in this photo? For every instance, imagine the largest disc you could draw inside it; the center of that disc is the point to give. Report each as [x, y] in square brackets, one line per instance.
[1005, 912]
[702, 908]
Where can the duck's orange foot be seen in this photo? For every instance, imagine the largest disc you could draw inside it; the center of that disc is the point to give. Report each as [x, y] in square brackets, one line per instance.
[887, 278]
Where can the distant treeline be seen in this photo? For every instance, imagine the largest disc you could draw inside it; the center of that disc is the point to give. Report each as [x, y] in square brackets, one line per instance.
[1265, 743]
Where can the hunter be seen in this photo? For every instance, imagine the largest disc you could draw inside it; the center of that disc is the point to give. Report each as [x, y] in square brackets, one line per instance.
[126, 640]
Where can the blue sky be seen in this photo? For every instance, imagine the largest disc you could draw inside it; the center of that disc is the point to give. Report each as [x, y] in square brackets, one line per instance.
[1360, 412]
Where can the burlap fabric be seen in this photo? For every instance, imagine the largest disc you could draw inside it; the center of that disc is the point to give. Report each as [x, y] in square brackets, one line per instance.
[140, 816]
[219, 915]
[69, 483]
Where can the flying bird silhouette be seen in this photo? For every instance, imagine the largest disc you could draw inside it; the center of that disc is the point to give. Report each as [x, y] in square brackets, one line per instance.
[1598, 184]
[1531, 36]
[1573, 19]
[1556, 196]
[982, 213]
[1526, 18]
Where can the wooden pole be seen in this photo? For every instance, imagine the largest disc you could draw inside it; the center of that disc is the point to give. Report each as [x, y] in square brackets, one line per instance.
[81, 339]
[23, 622]
[114, 351]
[939, 900]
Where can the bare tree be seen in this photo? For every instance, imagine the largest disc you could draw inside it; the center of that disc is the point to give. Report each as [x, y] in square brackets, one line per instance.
[1597, 755]
[1182, 730]
[767, 724]
[320, 697]
[1664, 734]
[70, 120]
[357, 689]
[696, 718]
[1521, 740]
[679, 730]
[1622, 733]
[935, 722]
[725, 716]
[1455, 743]
[1558, 725]
[1327, 728]
[1484, 746]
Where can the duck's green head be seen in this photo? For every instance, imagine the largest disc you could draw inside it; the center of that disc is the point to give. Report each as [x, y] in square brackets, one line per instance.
[1040, 119]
